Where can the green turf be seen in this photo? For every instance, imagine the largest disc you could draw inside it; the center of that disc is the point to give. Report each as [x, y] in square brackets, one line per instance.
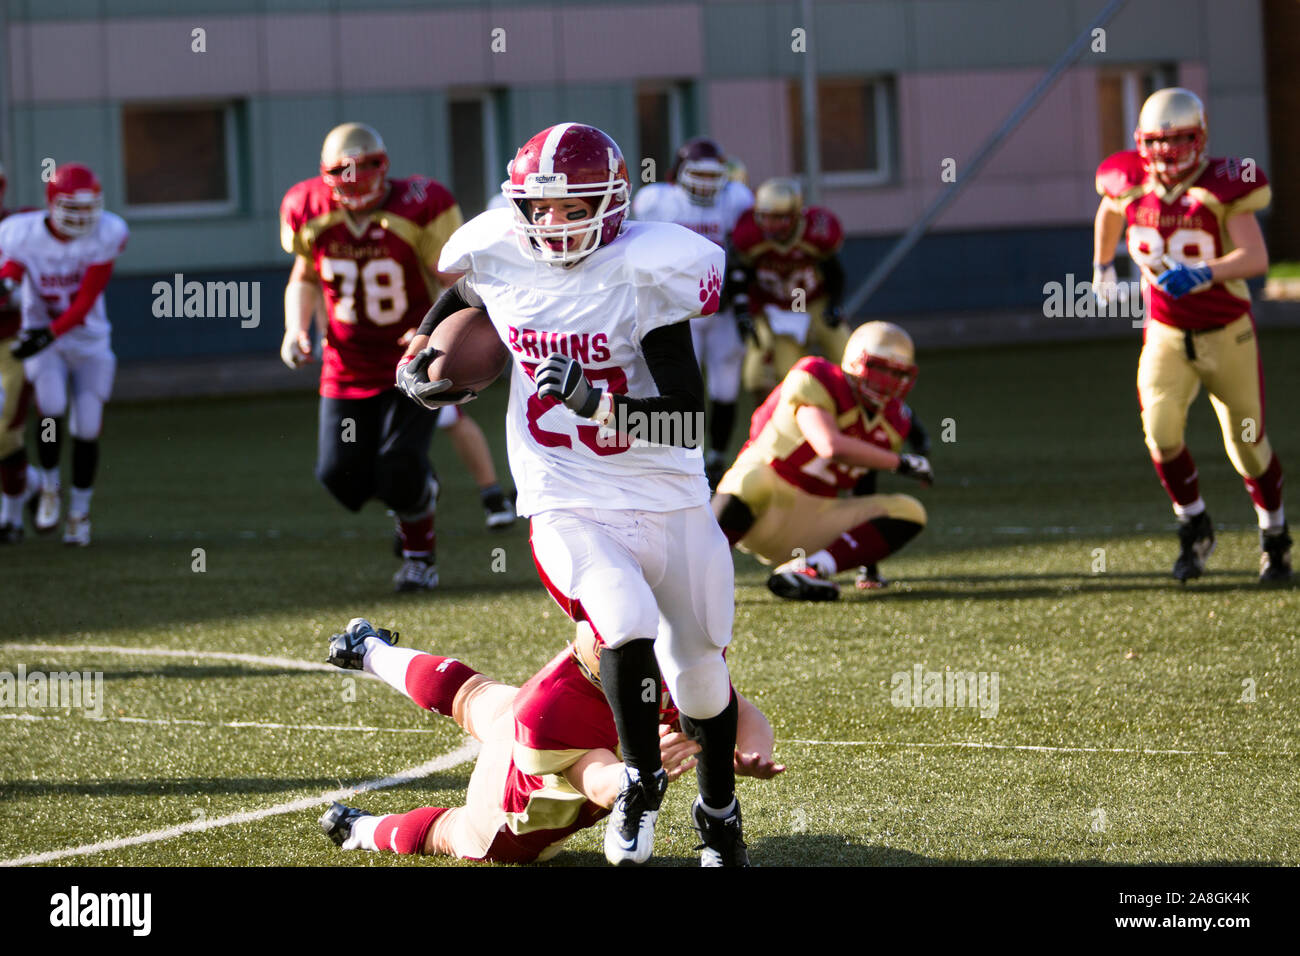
[1047, 466]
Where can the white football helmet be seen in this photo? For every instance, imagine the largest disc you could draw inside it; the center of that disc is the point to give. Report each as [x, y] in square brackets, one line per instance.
[1171, 133]
[880, 362]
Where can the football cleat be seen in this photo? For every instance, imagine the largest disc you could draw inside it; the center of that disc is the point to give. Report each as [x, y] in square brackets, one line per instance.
[348, 650]
[630, 832]
[500, 512]
[1275, 557]
[77, 530]
[45, 518]
[1196, 538]
[870, 579]
[336, 822]
[723, 843]
[415, 575]
[796, 581]
[11, 534]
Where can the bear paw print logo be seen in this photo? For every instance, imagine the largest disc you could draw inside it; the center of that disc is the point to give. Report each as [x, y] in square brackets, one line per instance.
[710, 292]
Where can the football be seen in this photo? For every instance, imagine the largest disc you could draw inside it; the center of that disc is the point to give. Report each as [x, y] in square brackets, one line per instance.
[473, 355]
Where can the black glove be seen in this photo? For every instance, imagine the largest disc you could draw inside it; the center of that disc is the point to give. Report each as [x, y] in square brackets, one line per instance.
[561, 378]
[832, 316]
[413, 380]
[30, 342]
[744, 321]
[915, 466]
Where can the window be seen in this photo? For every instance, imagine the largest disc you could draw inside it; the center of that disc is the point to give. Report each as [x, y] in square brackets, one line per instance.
[855, 130]
[476, 169]
[660, 129]
[180, 160]
[1120, 95]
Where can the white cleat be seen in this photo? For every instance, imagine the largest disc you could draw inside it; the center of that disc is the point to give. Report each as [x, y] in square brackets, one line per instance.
[502, 516]
[630, 832]
[46, 518]
[77, 530]
[415, 575]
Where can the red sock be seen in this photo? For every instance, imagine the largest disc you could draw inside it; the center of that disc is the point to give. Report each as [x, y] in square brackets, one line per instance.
[417, 537]
[861, 545]
[405, 832]
[1180, 478]
[432, 681]
[1266, 490]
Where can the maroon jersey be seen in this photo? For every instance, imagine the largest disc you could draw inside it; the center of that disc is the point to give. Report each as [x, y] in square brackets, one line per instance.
[781, 267]
[1187, 224]
[375, 276]
[11, 314]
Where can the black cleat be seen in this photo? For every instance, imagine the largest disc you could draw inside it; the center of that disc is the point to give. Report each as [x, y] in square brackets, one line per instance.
[724, 843]
[11, 534]
[336, 822]
[1275, 557]
[870, 579]
[1196, 538]
[348, 650]
[795, 581]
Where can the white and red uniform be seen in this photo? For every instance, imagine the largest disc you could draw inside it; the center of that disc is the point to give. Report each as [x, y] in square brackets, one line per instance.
[718, 345]
[54, 271]
[622, 534]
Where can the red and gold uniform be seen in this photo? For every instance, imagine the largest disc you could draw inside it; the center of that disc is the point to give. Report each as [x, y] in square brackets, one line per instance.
[374, 270]
[1206, 337]
[13, 387]
[795, 495]
[780, 269]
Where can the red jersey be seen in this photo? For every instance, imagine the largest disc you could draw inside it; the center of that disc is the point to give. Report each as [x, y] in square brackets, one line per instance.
[777, 442]
[781, 267]
[1186, 224]
[375, 275]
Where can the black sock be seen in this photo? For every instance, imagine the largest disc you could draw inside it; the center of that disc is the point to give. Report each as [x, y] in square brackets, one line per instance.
[85, 458]
[47, 452]
[492, 497]
[629, 675]
[722, 416]
[716, 770]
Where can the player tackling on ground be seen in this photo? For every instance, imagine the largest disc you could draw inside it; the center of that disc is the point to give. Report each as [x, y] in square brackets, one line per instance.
[595, 313]
[371, 245]
[1193, 233]
[548, 766]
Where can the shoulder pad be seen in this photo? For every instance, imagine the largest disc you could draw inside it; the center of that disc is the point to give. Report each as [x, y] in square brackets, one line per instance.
[475, 236]
[746, 235]
[1120, 174]
[650, 201]
[420, 199]
[1229, 178]
[831, 377]
[822, 229]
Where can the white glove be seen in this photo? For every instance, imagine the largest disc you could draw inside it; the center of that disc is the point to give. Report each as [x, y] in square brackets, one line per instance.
[1105, 283]
[295, 350]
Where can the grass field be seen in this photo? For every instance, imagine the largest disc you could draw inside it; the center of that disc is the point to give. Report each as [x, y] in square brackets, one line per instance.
[1120, 735]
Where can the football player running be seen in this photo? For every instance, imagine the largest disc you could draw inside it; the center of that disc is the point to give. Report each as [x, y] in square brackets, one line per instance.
[370, 245]
[549, 764]
[813, 438]
[1193, 233]
[785, 267]
[63, 256]
[701, 196]
[595, 313]
[14, 397]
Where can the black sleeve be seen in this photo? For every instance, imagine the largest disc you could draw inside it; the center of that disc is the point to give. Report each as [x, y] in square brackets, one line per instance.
[918, 437]
[679, 406]
[454, 298]
[736, 290]
[833, 279]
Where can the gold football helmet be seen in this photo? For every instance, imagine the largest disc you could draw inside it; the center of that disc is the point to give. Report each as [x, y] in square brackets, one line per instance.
[880, 362]
[354, 164]
[777, 207]
[1171, 133]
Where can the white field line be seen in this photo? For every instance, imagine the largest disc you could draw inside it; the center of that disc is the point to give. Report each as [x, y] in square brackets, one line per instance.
[287, 663]
[237, 724]
[465, 752]
[1043, 749]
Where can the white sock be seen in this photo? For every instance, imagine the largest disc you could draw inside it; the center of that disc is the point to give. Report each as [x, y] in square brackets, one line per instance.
[363, 834]
[389, 663]
[49, 478]
[1270, 521]
[718, 814]
[79, 501]
[823, 564]
[1190, 511]
[11, 509]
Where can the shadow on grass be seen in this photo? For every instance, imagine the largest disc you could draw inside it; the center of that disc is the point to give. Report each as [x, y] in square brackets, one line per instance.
[189, 786]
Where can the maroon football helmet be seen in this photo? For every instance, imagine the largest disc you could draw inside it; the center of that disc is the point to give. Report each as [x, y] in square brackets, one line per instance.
[700, 169]
[75, 200]
[569, 161]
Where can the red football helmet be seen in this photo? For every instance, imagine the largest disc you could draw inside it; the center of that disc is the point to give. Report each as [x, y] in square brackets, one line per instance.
[75, 200]
[569, 161]
[354, 164]
[700, 169]
[1171, 133]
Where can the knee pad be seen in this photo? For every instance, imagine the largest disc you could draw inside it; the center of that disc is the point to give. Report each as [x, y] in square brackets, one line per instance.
[701, 690]
[619, 605]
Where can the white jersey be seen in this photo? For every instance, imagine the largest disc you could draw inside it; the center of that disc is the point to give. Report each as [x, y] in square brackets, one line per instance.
[597, 312]
[667, 202]
[54, 269]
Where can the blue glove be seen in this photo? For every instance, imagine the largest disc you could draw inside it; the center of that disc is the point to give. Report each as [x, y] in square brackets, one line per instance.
[1181, 279]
